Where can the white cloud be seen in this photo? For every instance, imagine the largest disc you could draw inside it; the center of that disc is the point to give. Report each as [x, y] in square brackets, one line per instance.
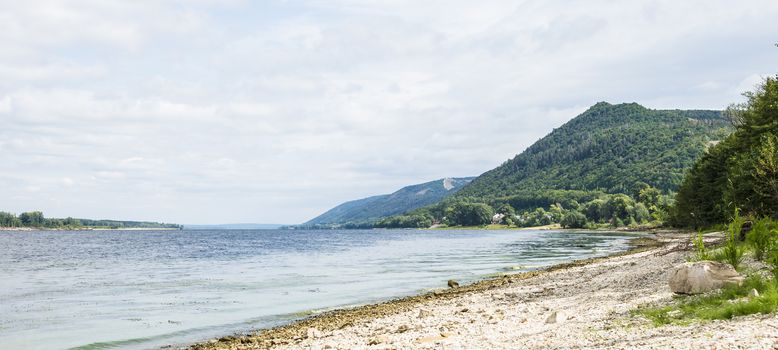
[213, 111]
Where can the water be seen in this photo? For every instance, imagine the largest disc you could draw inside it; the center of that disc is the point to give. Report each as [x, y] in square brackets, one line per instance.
[146, 289]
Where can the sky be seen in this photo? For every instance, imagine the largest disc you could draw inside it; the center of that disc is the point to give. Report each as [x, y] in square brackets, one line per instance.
[205, 111]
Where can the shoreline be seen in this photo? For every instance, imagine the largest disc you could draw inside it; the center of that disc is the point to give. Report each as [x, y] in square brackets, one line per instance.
[337, 320]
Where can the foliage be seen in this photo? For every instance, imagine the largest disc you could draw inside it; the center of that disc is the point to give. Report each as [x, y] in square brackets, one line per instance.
[732, 251]
[469, 214]
[574, 219]
[741, 171]
[36, 219]
[32, 219]
[615, 164]
[700, 251]
[608, 148]
[772, 262]
[761, 237]
[405, 221]
[9, 220]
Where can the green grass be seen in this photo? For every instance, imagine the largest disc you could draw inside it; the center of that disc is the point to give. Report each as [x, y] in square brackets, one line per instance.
[730, 302]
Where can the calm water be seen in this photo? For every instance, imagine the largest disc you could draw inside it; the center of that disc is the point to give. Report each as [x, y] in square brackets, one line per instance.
[140, 290]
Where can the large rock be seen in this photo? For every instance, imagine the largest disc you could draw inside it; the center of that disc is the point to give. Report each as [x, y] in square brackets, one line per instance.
[702, 276]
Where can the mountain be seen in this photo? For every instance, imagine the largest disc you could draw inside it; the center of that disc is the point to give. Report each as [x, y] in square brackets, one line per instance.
[608, 148]
[406, 199]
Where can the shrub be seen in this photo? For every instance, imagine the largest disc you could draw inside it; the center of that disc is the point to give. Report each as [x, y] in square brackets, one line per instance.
[732, 251]
[772, 262]
[760, 237]
[700, 252]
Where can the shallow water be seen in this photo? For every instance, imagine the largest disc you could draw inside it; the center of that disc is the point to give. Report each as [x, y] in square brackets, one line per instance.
[146, 289]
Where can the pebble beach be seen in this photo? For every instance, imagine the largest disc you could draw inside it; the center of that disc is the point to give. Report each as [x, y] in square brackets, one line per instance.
[582, 305]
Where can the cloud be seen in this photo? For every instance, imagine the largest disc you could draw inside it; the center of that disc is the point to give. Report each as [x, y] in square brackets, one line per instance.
[213, 111]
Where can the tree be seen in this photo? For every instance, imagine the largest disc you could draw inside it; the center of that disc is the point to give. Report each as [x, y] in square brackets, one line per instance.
[573, 219]
[32, 218]
[739, 172]
[506, 209]
[766, 173]
[618, 206]
[595, 210]
[9, 220]
[642, 214]
[649, 196]
[470, 214]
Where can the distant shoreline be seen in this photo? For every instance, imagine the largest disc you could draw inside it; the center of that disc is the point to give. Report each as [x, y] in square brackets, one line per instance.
[88, 229]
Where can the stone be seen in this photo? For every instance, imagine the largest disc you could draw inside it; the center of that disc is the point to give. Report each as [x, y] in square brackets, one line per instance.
[378, 340]
[431, 339]
[313, 333]
[554, 317]
[424, 313]
[745, 229]
[754, 293]
[702, 276]
[452, 284]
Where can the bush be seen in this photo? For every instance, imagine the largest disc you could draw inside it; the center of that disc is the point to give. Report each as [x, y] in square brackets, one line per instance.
[700, 252]
[760, 238]
[732, 251]
[772, 262]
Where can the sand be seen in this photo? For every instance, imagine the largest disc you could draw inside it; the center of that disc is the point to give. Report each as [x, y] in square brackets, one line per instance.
[583, 305]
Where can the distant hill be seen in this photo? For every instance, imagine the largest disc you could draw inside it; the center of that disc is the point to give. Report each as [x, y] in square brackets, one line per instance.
[608, 148]
[406, 199]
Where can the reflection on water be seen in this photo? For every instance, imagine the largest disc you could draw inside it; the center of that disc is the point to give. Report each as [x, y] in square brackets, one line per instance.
[131, 289]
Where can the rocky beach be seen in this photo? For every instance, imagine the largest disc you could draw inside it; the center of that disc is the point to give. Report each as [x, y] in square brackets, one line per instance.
[581, 305]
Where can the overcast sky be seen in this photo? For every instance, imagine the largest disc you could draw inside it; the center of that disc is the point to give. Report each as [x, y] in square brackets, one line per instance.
[198, 111]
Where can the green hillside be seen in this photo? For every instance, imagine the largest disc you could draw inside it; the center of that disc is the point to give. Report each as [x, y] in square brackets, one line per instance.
[406, 199]
[608, 148]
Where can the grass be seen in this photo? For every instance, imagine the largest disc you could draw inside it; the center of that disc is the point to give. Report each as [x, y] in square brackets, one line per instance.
[729, 302]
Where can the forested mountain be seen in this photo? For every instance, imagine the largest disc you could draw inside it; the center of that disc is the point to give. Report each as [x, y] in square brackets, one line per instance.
[608, 148]
[612, 165]
[406, 199]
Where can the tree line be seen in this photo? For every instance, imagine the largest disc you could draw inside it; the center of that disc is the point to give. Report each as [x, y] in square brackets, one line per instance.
[646, 206]
[36, 219]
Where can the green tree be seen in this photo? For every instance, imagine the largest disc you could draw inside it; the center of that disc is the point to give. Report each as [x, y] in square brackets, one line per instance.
[9, 220]
[573, 219]
[649, 196]
[618, 206]
[32, 218]
[470, 214]
[741, 171]
[642, 214]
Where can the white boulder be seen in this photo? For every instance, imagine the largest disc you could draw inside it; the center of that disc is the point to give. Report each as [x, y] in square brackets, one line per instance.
[702, 276]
